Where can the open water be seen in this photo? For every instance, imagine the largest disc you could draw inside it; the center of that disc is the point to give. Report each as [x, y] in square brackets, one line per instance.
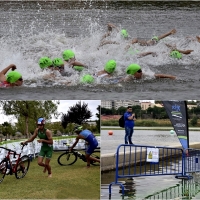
[32, 29]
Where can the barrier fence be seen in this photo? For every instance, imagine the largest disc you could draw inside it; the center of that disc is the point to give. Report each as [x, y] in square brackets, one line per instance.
[141, 160]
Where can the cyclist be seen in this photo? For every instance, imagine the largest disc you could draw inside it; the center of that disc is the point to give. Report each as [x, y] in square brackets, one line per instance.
[13, 78]
[90, 139]
[47, 145]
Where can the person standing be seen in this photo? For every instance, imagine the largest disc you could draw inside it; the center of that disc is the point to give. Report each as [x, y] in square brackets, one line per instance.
[47, 145]
[129, 119]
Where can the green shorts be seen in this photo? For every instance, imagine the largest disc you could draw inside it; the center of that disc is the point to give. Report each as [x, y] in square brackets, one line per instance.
[46, 152]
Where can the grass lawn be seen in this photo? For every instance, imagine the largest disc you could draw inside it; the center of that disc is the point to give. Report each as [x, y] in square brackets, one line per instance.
[67, 182]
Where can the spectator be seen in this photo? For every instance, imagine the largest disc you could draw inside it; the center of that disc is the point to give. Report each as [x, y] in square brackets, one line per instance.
[129, 119]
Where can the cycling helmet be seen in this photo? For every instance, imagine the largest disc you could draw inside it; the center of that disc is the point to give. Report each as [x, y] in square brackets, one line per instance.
[78, 128]
[57, 62]
[45, 62]
[41, 121]
[68, 54]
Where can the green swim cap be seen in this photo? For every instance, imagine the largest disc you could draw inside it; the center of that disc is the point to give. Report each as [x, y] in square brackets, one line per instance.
[155, 38]
[132, 69]
[176, 54]
[78, 68]
[124, 33]
[87, 79]
[13, 76]
[45, 62]
[110, 66]
[58, 62]
[68, 54]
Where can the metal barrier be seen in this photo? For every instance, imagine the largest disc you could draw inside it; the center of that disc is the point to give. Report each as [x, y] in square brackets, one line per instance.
[192, 160]
[140, 160]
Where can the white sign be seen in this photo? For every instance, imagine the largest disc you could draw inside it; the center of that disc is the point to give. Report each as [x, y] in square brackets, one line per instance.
[152, 155]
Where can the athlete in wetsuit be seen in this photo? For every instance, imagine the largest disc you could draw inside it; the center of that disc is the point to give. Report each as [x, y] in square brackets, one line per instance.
[91, 141]
[47, 145]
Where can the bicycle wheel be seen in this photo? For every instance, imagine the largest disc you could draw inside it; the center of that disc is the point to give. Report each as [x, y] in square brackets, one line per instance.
[67, 158]
[22, 167]
[3, 169]
[95, 154]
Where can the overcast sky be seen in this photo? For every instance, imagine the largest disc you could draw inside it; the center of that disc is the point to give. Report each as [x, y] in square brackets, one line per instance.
[63, 107]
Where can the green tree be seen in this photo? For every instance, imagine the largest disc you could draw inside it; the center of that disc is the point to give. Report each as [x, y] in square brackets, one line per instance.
[193, 121]
[98, 116]
[29, 111]
[78, 114]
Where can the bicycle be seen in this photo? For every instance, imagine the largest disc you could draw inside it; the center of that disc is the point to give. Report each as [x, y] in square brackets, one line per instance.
[19, 166]
[70, 157]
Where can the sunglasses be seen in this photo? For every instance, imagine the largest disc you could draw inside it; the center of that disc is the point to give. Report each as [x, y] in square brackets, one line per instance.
[20, 79]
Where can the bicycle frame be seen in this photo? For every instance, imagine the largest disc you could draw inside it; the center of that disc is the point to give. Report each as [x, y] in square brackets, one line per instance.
[12, 166]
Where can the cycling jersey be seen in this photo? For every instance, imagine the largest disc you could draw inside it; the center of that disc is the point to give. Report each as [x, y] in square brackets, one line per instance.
[90, 138]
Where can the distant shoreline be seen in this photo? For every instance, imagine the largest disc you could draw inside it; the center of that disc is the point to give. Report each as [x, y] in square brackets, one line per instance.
[147, 128]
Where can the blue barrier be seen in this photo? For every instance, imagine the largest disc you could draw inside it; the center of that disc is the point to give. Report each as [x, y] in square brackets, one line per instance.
[142, 160]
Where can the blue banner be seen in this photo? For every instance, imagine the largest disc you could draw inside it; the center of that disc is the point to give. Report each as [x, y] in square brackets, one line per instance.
[177, 112]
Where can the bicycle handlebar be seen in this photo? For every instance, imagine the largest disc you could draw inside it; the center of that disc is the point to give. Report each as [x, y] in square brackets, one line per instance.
[10, 150]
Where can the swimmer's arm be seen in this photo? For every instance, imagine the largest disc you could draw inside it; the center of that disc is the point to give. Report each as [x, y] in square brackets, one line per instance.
[76, 63]
[4, 71]
[113, 26]
[172, 47]
[185, 51]
[126, 79]
[147, 53]
[107, 42]
[165, 76]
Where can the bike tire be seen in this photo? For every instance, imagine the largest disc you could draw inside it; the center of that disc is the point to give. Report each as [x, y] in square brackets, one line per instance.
[22, 167]
[95, 154]
[67, 158]
[3, 169]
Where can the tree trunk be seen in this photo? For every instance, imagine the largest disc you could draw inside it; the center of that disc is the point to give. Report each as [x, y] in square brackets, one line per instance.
[26, 122]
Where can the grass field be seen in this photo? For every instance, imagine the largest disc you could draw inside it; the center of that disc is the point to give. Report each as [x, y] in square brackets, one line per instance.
[67, 182]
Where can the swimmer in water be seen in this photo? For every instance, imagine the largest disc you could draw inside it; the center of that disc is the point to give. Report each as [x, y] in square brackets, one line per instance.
[70, 60]
[151, 42]
[107, 72]
[134, 71]
[110, 26]
[13, 78]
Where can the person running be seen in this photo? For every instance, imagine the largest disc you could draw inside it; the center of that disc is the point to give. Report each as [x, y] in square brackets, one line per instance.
[129, 119]
[69, 58]
[91, 141]
[13, 77]
[46, 140]
[151, 42]
[135, 71]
